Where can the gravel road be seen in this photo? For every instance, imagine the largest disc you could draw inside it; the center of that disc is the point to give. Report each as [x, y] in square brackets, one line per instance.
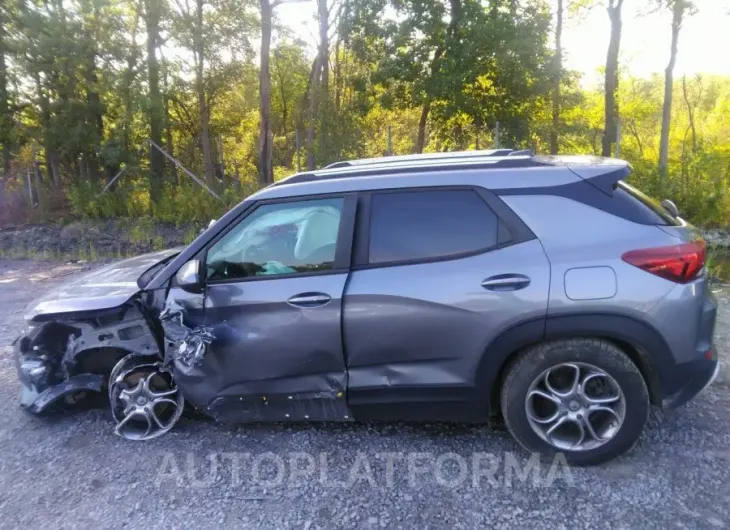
[73, 472]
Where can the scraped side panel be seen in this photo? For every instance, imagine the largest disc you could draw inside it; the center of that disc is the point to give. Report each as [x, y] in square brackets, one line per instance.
[267, 359]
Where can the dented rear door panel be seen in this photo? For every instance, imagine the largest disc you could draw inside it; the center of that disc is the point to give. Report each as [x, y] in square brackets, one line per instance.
[416, 334]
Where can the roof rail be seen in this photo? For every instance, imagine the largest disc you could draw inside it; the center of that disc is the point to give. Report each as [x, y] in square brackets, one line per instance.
[416, 166]
[449, 155]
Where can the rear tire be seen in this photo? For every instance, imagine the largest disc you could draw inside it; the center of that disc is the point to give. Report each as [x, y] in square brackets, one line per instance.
[574, 383]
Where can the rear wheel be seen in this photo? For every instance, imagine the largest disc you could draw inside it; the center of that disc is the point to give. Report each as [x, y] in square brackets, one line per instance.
[582, 397]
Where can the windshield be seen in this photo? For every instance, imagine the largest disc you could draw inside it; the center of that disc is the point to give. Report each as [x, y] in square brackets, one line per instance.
[147, 276]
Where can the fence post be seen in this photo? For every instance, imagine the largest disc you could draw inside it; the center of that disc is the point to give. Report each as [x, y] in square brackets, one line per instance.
[30, 188]
[389, 144]
[496, 136]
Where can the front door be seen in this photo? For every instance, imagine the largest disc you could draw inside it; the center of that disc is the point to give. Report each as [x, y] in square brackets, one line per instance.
[273, 297]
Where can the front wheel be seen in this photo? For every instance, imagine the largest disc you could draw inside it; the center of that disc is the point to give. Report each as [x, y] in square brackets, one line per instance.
[582, 397]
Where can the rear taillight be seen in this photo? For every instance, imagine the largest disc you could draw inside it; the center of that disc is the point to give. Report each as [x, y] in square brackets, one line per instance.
[678, 263]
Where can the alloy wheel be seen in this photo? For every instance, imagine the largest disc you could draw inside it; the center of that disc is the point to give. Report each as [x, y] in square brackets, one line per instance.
[575, 406]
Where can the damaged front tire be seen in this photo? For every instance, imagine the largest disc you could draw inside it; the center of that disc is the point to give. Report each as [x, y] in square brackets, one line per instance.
[144, 399]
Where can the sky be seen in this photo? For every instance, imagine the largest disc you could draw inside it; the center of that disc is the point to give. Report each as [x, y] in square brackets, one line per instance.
[704, 41]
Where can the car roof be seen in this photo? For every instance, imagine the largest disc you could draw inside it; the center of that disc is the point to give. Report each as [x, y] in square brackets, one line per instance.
[489, 169]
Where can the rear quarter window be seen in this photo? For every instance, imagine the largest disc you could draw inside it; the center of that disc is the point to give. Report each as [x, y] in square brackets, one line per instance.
[626, 198]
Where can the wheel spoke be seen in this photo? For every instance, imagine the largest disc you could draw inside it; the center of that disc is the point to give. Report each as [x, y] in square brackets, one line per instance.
[544, 421]
[549, 397]
[128, 417]
[130, 393]
[580, 440]
[155, 395]
[555, 427]
[149, 423]
[146, 383]
[609, 410]
[156, 419]
[596, 400]
[574, 385]
[165, 400]
[586, 420]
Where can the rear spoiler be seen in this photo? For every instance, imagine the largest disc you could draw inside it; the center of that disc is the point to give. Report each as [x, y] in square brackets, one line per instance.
[602, 173]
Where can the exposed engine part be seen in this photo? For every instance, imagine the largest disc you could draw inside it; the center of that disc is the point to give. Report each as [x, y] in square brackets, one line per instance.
[144, 399]
[184, 344]
[60, 360]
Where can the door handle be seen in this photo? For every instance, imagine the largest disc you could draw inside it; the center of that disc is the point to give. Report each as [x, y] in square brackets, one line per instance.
[506, 282]
[309, 299]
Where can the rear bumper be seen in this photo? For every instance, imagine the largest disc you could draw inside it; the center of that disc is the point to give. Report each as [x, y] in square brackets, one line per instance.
[699, 375]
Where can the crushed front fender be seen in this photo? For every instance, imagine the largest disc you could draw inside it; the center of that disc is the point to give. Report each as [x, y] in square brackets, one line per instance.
[57, 358]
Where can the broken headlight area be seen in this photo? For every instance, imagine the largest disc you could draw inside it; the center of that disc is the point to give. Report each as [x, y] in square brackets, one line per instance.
[184, 344]
[43, 366]
[61, 361]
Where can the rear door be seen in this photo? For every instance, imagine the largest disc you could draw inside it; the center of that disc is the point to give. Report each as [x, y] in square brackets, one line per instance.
[438, 274]
[274, 285]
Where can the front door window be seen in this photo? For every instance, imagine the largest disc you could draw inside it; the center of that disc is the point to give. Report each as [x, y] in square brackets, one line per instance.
[284, 238]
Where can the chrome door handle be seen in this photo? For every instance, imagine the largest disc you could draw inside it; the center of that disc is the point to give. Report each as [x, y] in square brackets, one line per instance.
[309, 299]
[506, 282]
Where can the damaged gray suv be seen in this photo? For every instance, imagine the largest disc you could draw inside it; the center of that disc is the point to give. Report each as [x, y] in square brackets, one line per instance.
[445, 287]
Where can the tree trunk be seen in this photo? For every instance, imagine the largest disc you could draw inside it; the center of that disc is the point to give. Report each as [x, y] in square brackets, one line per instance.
[157, 161]
[690, 114]
[611, 83]
[48, 146]
[338, 77]
[319, 84]
[128, 78]
[6, 117]
[324, 46]
[677, 13]
[266, 174]
[554, 140]
[313, 100]
[204, 112]
[421, 140]
[169, 143]
[96, 121]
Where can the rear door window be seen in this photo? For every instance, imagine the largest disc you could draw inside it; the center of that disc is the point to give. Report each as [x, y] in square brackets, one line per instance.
[429, 224]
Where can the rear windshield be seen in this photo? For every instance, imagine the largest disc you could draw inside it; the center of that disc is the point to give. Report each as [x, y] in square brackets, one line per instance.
[651, 212]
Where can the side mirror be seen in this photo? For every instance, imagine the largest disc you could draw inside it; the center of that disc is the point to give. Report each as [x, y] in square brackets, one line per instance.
[670, 207]
[188, 277]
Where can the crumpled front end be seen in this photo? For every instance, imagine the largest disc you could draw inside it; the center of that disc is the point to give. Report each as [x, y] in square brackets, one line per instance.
[184, 344]
[59, 360]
